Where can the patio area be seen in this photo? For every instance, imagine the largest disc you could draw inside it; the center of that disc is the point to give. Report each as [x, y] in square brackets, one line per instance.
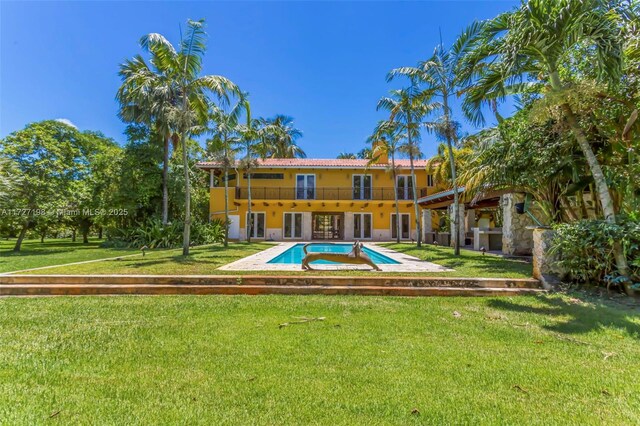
[260, 262]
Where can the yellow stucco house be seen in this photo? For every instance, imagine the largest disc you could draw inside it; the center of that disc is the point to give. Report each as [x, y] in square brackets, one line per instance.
[320, 199]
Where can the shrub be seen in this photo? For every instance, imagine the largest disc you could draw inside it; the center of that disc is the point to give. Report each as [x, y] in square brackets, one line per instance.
[585, 249]
[154, 234]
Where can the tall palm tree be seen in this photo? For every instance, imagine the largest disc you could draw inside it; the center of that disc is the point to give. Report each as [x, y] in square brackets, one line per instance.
[222, 147]
[146, 96]
[408, 109]
[178, 71]
[387, 140]
[439, 75]
[531, 44]
[250, 134]
[281, 141]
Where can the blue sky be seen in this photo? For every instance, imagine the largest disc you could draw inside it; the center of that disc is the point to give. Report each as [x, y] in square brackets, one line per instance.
[324, 63]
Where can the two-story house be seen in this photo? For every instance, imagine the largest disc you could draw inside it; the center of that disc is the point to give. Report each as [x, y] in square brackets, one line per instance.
[320, 199]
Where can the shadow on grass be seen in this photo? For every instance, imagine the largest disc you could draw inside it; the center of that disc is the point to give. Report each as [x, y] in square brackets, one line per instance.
[584, 317]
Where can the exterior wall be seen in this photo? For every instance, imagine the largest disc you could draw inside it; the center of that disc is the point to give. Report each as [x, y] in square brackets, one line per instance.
[380, 210]
[517, 232]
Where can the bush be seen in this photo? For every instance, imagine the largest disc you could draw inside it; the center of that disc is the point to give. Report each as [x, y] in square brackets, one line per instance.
[154, 234]
[585, 249]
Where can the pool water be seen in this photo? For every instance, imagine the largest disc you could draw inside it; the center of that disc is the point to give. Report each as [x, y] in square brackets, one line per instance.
[295, 254]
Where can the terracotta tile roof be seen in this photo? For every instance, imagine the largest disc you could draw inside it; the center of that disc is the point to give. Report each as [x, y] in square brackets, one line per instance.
[318, 162]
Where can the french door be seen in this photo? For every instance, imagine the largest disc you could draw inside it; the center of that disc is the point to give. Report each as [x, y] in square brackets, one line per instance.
[405, 226]
[362, 225]
[256, 224]
[361, 187]
[305, 187]
[404, 186]
[292, 225]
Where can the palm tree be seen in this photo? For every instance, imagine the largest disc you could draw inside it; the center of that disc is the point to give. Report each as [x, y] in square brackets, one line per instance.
[281, 141]
[346, 156]
[387, 140]
[146, 96]
[224, 126]
[407, 108]
[531, 43]
[250, 134]
[178, 71]
[439, 74]
[365, 154]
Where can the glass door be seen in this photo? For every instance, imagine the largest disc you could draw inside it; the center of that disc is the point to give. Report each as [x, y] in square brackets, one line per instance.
[361, 187]
[404, 186]
[256, 225]
[405, 226]
[362, 225]
[293, 225]
[305, 187]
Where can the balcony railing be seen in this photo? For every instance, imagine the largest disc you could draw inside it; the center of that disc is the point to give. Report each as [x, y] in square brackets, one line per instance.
[324, 194]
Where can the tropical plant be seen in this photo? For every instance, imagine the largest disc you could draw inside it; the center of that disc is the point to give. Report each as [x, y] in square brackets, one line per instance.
[250, 135]
[280, 142]
[346, 156]
[440, 78]
[408, 109]
[222, 147]
[189, 112]
[530, 46]
[386, 140]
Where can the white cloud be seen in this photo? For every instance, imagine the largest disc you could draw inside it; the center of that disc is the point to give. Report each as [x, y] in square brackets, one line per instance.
[67, 122]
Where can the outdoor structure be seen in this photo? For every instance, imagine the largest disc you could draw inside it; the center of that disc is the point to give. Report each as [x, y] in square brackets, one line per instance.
[320, 199]
[496, 221]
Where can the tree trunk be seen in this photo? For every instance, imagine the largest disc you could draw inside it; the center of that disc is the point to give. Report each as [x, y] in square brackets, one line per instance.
[598, 177]
[186, 238]
[226, 205]
[249, 219]
[23, 233]
[100, 233]
[416, 208]
[452, 164]
[395, 196]
[73, 235]
[42, 235]
[165, 187]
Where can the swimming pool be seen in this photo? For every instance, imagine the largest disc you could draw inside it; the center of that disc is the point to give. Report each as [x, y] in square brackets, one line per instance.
[295, 254]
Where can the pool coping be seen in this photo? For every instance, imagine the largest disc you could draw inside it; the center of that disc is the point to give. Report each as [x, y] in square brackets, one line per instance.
[259, 261]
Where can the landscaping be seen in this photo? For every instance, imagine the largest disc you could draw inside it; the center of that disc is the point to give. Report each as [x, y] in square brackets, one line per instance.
[358, 360]
[205, 260]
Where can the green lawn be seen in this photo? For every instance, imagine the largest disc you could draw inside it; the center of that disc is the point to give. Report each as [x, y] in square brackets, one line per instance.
[372, 360]
[206, 260]
[52, 252]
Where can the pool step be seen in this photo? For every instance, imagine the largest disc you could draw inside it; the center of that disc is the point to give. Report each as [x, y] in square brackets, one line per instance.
[272, 280]
[229, 289]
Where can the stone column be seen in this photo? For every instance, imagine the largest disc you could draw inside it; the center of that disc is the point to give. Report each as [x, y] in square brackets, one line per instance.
[427, 222]
[545, 267]
[516, 238]
[470, 220]
[461, 224]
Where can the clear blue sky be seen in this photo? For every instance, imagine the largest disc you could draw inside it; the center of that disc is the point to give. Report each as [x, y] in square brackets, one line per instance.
[324, 63]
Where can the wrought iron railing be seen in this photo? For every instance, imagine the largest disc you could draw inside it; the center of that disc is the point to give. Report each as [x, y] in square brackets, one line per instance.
[322, 193]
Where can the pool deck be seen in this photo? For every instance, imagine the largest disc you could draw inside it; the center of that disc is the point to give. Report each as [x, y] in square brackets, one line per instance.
[259, 262]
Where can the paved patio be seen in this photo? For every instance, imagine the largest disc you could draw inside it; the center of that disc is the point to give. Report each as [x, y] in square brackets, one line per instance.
[259, 262]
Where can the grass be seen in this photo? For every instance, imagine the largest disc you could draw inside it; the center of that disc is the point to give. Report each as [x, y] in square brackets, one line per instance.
[53, 252]
[373, 360]
[207, 260]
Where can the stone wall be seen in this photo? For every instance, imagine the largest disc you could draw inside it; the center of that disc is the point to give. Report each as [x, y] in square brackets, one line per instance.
[545, 267]
[517, 232]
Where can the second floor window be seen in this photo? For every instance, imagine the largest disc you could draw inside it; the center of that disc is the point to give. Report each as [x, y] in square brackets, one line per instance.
[305, 187]
[429, 180]
[361, 187]
[404, 186]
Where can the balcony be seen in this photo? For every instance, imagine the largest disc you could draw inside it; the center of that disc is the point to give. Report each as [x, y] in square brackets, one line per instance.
[323, 194]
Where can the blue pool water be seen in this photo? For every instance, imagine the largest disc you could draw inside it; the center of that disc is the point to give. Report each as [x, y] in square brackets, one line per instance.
[295, 254]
